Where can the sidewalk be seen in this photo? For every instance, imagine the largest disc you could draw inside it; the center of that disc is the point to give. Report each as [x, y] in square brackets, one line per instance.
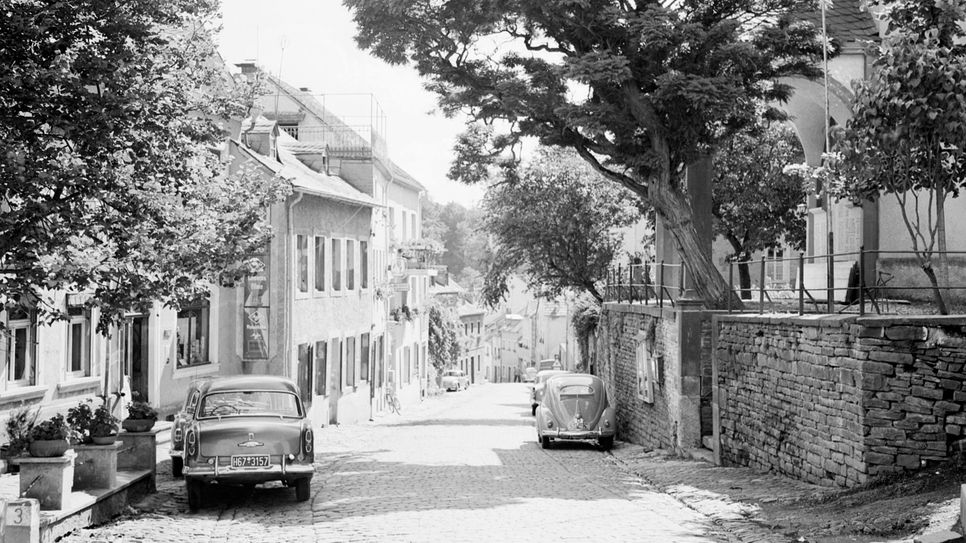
[756, 507]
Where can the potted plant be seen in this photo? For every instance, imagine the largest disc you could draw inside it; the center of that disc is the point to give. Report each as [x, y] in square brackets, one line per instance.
[49, 438]
[19, 425]
[79, 418]
[140, 417]
[103, 429]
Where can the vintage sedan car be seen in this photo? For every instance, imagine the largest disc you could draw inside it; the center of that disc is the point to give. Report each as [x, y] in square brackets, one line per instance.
[530, 375]
[180, 423]
[247, 430]
[575, 407]
[536, 392]
[454, 379]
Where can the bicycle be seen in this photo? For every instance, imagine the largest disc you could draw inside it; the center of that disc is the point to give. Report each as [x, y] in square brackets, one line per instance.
[392, 401]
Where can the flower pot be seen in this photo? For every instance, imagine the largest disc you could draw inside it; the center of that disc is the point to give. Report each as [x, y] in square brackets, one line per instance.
[46, 448]
[138, 425]
[104, 440]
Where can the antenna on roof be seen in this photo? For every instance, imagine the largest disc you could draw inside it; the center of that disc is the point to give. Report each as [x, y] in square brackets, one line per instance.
[278, 86]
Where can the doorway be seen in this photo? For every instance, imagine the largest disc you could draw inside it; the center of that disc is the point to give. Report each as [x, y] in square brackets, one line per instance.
[135, 349]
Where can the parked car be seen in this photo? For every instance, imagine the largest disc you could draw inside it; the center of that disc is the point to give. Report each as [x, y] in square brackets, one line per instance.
[575, 407]
[247, 430]
[180, 423]
[454, 379]
[536, 392]
[530, 374]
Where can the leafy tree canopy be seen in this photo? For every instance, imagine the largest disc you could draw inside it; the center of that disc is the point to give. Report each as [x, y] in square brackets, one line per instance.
[444, 346]
[639, 88]
[557, 224]
[111, 128]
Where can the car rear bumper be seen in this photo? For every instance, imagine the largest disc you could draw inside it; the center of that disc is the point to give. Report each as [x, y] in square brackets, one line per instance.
[275, 472]
[175, 452]
[579, 434]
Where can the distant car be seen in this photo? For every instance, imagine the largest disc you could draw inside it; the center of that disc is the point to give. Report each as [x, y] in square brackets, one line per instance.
[454, 380]
[549, 364]
[530, 375]
[180, 423]
[536, 393]
[247, 430]
[575, 407]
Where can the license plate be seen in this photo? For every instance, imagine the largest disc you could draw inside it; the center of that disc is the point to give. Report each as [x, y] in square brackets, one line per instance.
[250, 461]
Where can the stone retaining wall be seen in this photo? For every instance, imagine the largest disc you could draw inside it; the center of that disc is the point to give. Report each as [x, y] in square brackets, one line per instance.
[838, 400]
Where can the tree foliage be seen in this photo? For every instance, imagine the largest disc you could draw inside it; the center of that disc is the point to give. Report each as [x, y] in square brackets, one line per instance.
[458, 228]
[112, 119]
[557, 224]
[756, 193]
[444, 346]
[639, 88]
[907, 134]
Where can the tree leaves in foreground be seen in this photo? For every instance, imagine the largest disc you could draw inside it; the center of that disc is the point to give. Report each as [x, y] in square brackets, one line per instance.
[906, 138]
[112, 120]
[557, 224]
[756, 195]
[639, 88]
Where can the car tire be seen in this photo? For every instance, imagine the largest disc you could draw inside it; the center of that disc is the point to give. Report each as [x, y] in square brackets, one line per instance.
[606, 443]
[177, 466]
[545, 442]
[533, 410]
[196, 494]
[303, 490]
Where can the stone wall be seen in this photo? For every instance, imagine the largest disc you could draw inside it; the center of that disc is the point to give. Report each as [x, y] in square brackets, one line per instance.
[838, 400]
[671, 337]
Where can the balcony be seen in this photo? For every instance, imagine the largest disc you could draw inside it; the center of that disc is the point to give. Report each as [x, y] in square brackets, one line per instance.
[417, 254]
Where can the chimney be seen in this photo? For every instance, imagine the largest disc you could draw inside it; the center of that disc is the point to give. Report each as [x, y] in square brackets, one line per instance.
[248, 67]
[305, 89]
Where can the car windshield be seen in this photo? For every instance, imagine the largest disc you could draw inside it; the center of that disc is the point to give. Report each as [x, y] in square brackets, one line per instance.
[452, 373]
[576, 390]
[249, 403]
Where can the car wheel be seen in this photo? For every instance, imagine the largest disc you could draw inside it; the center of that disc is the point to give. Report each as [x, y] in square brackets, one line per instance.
[177, 466]
[606, 443]
[196, 491]
[302, 489]
[533, 410]
[545, 442]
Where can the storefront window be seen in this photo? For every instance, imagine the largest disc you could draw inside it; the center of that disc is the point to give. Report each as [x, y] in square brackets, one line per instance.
[193, 335]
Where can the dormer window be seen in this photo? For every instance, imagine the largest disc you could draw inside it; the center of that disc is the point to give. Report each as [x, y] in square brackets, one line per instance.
[292, 129]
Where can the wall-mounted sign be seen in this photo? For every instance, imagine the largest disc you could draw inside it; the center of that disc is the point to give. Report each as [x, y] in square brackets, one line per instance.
[256, 334]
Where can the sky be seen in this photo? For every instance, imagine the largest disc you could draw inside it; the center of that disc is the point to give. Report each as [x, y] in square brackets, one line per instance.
[311, 41]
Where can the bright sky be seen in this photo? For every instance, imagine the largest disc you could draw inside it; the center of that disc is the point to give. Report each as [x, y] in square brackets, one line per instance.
[320, 53]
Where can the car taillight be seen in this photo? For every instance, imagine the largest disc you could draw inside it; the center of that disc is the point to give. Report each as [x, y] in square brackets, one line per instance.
[191, 443]
[178, 434]
[549, 423]
[606, 423]
[307, 437]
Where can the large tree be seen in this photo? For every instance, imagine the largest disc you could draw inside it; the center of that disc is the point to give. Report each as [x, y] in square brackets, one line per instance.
[639, 88]
[906, 138]
[557, 225]
[112, 180]
[756, 194]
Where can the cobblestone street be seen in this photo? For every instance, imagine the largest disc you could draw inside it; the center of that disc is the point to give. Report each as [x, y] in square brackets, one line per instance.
[461, 467]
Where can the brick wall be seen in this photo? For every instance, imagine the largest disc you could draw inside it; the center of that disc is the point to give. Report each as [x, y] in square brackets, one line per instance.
[838, 400]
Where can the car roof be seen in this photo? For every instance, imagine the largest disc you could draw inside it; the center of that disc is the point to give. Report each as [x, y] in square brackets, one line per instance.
[573, 379]
[249, 382]
[551, 372]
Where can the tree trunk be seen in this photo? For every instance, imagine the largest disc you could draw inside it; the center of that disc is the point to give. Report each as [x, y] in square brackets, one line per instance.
[744, 279]
[675, 211]
[941, 239]
[937, 292]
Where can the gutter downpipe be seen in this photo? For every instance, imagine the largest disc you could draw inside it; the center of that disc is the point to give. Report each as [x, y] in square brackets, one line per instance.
[290, 288]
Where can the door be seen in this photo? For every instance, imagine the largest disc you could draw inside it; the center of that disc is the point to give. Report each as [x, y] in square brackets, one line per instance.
[335, 380]
[136, 368]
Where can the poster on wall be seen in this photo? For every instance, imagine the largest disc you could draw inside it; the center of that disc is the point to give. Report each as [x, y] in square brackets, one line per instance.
[256, 333]
[256, 287]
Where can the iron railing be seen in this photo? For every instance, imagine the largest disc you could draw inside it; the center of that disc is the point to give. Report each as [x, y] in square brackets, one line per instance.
[869, 283]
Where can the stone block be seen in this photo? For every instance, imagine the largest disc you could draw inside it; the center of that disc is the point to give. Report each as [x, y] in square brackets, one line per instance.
[21, 519]
[890, 356]
[139, 450]
[882, 368]
[48, 480]
[879, 459]
[954, 429]
[885, 414]
[908, 461]
[96, 466]
[920, 418]
[950, 384]
[887, 433]
[926, 392]
[906, 333]
[917, 405]
[946, 407]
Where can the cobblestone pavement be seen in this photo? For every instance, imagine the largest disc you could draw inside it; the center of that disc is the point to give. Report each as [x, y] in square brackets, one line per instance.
[461, 467]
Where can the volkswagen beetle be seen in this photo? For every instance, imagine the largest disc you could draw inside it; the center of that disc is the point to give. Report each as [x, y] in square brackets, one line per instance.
[180, 423]
[247, 430]
[454, 379]
[536, 391]
[575, 407]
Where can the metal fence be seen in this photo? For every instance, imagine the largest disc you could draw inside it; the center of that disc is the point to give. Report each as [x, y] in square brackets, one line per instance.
[852, 282]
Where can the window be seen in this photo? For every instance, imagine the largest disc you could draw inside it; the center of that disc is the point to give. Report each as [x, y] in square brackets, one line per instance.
[319, 263]
[78, 347]
[402, 220]
[302, 256]
[337, 264]
[363, 264]
[292, 129]
[305, 373]
[350, 265]
[338, 359]
[193, 335]
[380, 362]
[364, 352]
[320, 368]
[413, 226]
[350, 361]
[407, 367]
[20, 356]
[774, 267]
